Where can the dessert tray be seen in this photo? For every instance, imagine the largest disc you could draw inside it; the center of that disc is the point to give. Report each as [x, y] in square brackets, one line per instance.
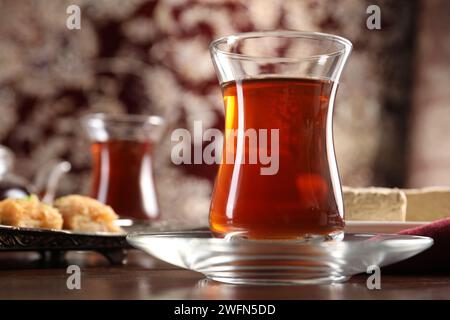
[266, 262]
[52, 244]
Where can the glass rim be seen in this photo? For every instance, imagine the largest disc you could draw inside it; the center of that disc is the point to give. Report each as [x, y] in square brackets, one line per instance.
[312, 35]
[122, 118]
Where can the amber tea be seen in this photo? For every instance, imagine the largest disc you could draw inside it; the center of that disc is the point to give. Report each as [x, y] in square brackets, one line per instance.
[298, 200]
[122, 177]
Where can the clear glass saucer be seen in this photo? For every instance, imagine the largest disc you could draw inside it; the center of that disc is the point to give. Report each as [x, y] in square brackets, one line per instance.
[241, 261]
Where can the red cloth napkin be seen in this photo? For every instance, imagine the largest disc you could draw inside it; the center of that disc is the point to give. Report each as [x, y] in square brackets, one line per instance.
[436, 259]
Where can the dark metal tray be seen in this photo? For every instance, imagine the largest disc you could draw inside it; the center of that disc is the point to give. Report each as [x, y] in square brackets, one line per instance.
[53, 244]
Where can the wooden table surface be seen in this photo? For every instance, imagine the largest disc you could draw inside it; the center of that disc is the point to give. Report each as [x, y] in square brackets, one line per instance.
[23, 277]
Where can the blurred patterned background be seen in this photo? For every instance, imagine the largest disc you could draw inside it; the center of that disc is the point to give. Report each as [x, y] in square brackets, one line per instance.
[392, 114]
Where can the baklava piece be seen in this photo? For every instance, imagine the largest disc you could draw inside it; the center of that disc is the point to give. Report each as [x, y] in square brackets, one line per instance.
[82, 213]
[29, 212]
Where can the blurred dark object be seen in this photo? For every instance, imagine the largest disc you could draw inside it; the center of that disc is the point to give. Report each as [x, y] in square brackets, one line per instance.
[429, 122]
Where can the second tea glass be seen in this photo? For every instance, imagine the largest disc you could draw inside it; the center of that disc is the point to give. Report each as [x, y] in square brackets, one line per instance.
[122, 149]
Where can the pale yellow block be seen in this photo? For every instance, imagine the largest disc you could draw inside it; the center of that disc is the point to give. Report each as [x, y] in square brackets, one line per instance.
[374, 204]
[427, 204]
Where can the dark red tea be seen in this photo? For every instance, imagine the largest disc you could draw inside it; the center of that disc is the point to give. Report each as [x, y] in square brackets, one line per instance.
[302, 198]
[122, 177]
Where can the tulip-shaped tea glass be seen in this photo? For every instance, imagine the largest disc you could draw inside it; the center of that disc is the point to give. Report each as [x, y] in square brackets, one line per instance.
[278, 177]
[122, 148]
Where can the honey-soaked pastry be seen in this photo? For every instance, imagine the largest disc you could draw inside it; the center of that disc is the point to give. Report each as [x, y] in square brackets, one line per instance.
[29, 212]
[82, 213]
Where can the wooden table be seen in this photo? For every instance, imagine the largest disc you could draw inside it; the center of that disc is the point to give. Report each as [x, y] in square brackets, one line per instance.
[23, 277]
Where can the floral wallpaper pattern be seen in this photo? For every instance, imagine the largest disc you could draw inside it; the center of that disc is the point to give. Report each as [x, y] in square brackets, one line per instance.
[151, 57]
